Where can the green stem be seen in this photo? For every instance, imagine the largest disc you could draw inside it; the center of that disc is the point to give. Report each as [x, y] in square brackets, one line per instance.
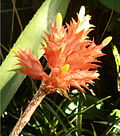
[79, 117]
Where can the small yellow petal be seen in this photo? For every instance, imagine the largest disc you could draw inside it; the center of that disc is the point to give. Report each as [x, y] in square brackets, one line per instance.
[59, 20]
[15, 51]
[107, 40]
[82, 13]
[65, 68]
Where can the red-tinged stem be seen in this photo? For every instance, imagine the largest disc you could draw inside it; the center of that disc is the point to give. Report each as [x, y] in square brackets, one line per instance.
[25, 117]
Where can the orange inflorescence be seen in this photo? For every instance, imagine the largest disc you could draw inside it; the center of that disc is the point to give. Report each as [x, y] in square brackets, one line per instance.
[70, 54]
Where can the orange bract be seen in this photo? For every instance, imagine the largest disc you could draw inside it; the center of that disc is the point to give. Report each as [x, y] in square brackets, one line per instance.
[31, 65]
[70, 54]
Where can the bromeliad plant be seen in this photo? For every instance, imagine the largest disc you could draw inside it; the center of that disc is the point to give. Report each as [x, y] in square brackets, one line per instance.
[71, 57]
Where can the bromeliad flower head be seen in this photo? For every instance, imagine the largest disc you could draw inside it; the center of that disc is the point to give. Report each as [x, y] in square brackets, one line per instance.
[70, 54]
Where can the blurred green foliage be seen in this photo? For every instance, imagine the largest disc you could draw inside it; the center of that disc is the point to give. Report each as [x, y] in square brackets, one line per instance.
[112, 4]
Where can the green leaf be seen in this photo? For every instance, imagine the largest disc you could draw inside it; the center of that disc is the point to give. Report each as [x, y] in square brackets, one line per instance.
[63, 124]
[94, 132]
[29, 38]
[112, 4]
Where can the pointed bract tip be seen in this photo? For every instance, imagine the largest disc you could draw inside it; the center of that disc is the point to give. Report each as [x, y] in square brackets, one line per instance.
[59, 19]
[107, 40]
[96, 74]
